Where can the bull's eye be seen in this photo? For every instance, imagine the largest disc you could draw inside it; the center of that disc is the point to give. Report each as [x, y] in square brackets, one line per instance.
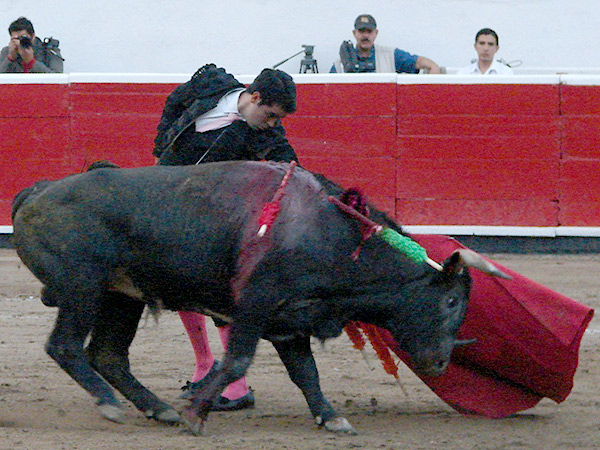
[452, 302]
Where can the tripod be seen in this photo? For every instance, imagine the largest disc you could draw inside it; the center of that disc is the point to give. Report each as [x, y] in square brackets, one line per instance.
[307, 63]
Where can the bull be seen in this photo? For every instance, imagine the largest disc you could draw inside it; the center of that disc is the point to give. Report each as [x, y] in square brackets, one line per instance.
[108, 242]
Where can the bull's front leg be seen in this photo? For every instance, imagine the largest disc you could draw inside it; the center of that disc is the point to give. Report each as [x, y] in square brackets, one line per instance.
[298, 359]
[241, 347]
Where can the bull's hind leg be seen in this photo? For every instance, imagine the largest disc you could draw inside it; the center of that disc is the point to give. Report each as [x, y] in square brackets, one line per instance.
[300, 364]
[108, 352]
[65, 346]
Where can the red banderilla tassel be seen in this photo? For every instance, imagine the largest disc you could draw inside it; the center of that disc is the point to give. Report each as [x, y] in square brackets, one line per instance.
[358, 341]
[368, 227]
[271, 210]
[267, 217]
[373, 227]
[383, 352]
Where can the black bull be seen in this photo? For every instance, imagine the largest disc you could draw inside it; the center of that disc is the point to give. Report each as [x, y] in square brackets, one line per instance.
[107, 242]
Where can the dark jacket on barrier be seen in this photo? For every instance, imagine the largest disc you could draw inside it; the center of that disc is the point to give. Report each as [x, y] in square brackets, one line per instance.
[178, 143]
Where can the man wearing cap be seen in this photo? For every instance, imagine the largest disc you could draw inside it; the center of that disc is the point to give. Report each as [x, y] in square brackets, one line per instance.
[370, 57]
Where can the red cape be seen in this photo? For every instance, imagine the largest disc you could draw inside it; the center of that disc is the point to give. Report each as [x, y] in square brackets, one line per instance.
[527, 347]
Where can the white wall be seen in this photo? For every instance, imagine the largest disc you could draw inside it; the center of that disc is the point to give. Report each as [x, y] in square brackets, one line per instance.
[178, 36]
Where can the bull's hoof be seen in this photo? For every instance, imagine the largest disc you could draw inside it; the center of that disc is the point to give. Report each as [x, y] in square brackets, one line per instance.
[112, 412]
[191, 388]
[195, 424]
[338, 425]
[167, 416]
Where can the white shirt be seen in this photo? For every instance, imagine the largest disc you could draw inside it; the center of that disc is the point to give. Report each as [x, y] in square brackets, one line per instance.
[228, 104]
[496, 68]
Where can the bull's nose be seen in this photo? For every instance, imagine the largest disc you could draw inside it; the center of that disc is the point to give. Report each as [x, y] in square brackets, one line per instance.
[433, 368]
[436, 367]
[441, 366]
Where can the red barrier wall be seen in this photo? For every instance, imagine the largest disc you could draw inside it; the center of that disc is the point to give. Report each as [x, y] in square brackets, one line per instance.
[483, 154]
[348, 132]
[430, 154]
[35, 135]
[579, 182]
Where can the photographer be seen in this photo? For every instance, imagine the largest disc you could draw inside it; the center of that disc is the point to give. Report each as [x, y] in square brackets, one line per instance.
[26, 53]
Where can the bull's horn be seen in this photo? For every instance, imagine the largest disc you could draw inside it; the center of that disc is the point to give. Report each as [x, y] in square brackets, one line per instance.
[461, 342]
[470, 258]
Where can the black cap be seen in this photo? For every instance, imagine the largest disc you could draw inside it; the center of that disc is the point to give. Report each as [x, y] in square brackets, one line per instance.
[365, 21]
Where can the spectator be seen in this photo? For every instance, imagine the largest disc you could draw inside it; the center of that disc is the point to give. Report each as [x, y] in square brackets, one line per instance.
[26, 53]
[370, 57]
[197, 127]
[486, 46]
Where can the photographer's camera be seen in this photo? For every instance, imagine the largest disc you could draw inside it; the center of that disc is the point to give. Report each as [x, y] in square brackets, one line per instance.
[25, 41]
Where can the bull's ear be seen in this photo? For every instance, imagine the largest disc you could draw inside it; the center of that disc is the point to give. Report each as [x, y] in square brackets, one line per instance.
[453, 265]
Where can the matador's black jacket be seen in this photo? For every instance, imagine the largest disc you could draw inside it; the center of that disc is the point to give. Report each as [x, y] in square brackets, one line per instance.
[178, 143]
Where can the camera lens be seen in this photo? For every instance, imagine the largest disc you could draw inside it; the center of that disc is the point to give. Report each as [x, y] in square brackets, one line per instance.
[25, 41]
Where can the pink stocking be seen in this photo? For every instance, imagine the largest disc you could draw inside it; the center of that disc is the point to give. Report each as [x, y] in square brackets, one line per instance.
[195, 325]
[238, 388]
